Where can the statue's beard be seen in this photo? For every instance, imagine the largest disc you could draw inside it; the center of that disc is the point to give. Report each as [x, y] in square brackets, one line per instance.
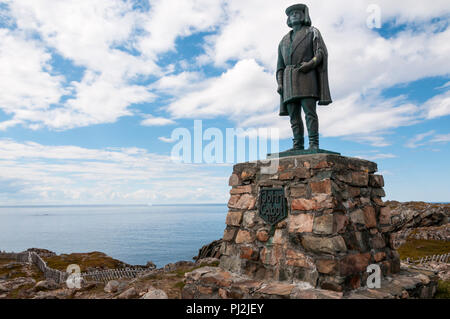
[299, 22]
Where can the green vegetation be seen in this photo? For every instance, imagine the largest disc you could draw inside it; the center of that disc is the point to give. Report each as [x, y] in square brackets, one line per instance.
[179, 285]
[443, 290]
[19, 293]
[13, 271]
[84, 260]
[418, 248]
[182, 271]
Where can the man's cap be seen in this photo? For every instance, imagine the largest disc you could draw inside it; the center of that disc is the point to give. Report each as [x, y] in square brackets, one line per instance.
[300, 7]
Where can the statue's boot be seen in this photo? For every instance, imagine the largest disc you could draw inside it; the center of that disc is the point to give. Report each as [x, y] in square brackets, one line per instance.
[297, 146]
[313, 144]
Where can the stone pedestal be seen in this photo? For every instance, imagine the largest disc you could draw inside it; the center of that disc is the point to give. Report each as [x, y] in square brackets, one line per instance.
[336, 222]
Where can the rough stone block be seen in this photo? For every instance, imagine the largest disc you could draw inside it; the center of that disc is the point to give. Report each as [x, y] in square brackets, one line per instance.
[241, 189]
[379, 256]
[376, 180]
[302, 223]
[330, 245]
[324, 224]
[278, 238]
[353, 191]
[385, 215]
[299, 191]
[303, 204]
[249, 252]
[370, 217]
[340, 222]
[377, 192]
[246, 202]
[357, 217]
[233, 201]
[234, 180]
[351, 264]
[327, 266]
[244, 237]
[360, 179]
[321, 187]
[250, 219]
[262, 235]
[298, 259]
[234, 218]
[378, 242]
[228, 234]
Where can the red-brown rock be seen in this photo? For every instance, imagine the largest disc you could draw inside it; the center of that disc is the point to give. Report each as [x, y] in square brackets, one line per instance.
[327, 266]
[354, 263]
[244, 237]
[234, 218]
[304, 204]
[241, 189]
[302, 223]
[370, 217]
[322, 187]
[385, 215]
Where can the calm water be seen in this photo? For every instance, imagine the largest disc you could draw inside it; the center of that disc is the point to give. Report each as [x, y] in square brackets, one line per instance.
[133, 234]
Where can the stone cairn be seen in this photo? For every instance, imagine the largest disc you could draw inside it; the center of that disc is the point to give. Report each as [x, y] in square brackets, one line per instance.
[336, 225]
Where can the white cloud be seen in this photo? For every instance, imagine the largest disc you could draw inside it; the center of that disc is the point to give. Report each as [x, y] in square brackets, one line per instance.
[166, 139]
[244, 89]
[156, 121]
[441, 138]
[169, 19]
[438, 106]
[427, 138]
[25, 78]
[415, 141]
[377, 156]
[362, 63]
[71, 174]
[117, 46]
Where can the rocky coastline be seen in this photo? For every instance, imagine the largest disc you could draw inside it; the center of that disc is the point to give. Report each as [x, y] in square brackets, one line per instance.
[415, 223]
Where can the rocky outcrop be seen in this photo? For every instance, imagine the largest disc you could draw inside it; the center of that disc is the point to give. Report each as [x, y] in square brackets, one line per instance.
[215, 283]
[417, 214]
[211, 250]
[42, 252]
[441, 233]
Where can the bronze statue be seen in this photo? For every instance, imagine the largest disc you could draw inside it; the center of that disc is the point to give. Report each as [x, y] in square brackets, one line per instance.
[302, 76]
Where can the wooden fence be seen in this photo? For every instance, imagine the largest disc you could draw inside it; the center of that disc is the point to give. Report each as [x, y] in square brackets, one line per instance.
[444, 258]
[61, 276]
[111, 274]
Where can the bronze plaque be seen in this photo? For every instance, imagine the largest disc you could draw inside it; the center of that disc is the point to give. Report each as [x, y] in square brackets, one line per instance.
[272, 205]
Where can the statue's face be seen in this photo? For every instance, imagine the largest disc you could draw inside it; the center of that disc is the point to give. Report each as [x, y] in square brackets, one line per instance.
[296, 17]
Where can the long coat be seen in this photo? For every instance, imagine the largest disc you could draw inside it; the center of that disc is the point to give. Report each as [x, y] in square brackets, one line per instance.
[296, 84]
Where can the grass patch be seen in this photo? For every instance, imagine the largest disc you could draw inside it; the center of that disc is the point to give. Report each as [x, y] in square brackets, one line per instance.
[179, 285]
[418, 248]
[19, 293]
[16, 271]
[443, 290]
[84, 260]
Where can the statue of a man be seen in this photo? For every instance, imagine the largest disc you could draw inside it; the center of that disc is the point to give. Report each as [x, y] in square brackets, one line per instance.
[302, 75]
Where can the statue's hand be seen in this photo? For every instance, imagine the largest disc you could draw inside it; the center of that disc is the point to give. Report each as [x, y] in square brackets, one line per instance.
[280, 89]
[305, 67]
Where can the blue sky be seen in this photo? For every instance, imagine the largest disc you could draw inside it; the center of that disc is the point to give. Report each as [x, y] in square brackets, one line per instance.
[93, 90]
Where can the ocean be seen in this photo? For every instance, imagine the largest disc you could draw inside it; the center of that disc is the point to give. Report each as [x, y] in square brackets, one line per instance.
[133, 234]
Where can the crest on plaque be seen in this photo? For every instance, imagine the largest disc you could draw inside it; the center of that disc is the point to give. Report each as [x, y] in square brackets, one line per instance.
[272, 205]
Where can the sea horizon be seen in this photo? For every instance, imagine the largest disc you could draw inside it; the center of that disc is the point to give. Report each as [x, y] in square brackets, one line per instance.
[134, 234]
[156, 205]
